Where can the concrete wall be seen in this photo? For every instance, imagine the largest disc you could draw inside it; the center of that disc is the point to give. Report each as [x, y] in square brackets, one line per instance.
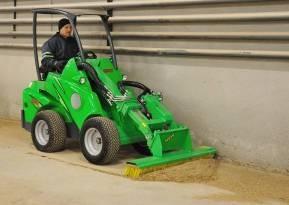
[238, 105]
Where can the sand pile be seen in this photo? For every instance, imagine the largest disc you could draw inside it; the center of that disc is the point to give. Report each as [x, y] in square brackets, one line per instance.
[245, 183]
[194, 171]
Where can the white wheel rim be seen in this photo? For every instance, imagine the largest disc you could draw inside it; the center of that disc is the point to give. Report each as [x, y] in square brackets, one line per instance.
[41, 132]
[93, 141]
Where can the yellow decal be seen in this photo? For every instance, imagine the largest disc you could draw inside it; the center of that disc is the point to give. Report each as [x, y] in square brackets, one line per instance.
[169, 138]
[107, 70]
[35, 102]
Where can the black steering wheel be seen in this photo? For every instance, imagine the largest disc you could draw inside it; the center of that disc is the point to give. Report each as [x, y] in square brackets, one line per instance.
[88, 54]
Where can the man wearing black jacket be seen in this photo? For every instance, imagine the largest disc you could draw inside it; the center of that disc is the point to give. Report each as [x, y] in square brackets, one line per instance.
[59, 48]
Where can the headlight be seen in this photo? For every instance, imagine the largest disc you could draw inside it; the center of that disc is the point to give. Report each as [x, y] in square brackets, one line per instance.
[82, 81]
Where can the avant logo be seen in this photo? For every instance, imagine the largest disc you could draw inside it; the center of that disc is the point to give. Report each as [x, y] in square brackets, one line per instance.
[107, 70]
[169, 138]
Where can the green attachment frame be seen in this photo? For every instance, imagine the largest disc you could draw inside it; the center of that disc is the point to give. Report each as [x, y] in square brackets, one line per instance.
[172, 157]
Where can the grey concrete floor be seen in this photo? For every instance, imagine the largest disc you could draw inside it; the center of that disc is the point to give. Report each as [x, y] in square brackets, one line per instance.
[30, 177]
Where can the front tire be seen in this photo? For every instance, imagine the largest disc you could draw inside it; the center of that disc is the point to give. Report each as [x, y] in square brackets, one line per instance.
[99, 140]
[48, 131]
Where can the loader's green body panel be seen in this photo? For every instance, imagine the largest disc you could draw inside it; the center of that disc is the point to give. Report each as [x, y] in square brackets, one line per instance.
[73, 95]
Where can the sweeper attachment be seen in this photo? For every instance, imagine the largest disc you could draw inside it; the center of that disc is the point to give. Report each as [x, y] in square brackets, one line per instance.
[91, 100]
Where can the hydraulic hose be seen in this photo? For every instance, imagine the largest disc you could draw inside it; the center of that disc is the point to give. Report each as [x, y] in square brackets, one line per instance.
[141, 86]
[94, 77]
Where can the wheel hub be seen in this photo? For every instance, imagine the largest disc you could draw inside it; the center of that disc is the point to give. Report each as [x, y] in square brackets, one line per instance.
[42, 132]
[93, 141]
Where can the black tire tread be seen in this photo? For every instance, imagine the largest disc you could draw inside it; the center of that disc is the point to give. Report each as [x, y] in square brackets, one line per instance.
[57, 131]
[110, 138]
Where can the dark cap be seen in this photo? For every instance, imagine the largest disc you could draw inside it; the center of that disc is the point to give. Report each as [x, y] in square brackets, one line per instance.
[62, 22]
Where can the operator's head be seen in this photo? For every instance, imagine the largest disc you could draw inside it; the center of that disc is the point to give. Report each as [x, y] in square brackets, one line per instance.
[64, 28]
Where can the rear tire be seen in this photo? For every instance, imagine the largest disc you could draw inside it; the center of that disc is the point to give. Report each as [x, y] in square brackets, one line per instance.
[99, 140]
[48, 131]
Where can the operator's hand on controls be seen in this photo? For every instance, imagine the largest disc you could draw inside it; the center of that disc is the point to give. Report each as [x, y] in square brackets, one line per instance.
[59, 65]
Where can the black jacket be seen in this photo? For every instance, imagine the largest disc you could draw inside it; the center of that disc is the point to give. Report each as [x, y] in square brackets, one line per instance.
[56, 52]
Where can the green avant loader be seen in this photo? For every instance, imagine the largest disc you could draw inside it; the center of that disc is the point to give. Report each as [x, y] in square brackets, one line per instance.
[92, 100]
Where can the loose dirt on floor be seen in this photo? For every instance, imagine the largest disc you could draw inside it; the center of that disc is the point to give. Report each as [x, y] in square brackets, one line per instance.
[247, 184]
[201, 170]
[240, 184]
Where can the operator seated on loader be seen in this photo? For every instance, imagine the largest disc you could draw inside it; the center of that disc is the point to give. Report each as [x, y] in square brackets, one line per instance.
[58, 49]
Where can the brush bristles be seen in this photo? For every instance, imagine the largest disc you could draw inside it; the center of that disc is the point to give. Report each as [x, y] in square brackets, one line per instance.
[132, 172]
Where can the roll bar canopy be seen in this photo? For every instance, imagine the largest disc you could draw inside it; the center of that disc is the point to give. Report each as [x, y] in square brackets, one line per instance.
[71, 15]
